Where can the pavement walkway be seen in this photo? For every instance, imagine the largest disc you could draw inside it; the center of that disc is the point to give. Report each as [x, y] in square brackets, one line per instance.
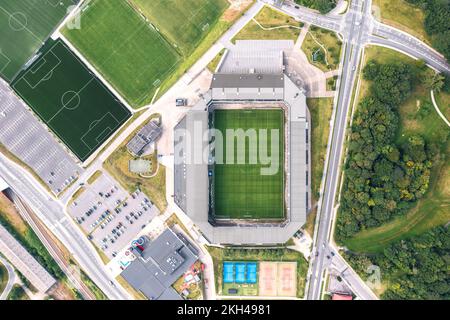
[305, 74]
[438, 110]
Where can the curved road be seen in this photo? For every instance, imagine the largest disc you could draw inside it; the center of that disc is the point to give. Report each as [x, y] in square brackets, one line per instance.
[11, 278]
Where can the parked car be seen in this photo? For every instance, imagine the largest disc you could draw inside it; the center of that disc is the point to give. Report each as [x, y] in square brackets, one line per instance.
[181, 102]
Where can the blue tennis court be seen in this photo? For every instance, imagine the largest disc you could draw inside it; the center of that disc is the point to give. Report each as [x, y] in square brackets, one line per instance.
[240, 273]
[251, 272]
[228, 272]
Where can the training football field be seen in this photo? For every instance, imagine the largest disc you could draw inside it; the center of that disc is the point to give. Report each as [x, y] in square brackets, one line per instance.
[24, 26]
[241, 191]
[70, 100]
[128, 52]
[184, 22]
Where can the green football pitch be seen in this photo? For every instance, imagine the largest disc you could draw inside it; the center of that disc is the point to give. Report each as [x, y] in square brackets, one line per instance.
[128, 52]
[183, 22]
[24, 26]
[70, 100]
[241, 191]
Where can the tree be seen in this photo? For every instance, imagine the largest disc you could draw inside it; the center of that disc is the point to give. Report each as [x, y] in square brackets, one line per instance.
[434, 81]
[382, 179]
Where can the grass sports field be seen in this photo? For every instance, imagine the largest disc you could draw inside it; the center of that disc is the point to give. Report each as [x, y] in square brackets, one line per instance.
[124, 48]
[24, 25]
[70, 100]
[240, 190]
[183, 22]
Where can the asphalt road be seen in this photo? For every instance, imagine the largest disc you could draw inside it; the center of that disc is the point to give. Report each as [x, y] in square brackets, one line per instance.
[351, 278]
[51, 213]
[11, 278]
[351, 60]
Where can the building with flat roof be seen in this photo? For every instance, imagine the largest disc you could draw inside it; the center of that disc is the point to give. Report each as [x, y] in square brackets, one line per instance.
[145, 137]
[24, 262]
[242, 86]
[159, 264]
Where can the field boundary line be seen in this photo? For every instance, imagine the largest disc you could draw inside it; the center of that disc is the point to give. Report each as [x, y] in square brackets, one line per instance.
[25, 27]
[95, 72]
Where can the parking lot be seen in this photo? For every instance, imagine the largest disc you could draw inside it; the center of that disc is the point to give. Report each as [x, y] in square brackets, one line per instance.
[23, 135]
[110, 216]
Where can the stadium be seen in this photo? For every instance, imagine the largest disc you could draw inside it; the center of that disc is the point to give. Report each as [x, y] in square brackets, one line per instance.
[235, 203]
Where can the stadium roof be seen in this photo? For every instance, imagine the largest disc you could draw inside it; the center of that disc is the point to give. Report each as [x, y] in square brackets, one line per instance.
[256, 56]
[222, 80]
[250, 72]
[162, 262]
[192, 181]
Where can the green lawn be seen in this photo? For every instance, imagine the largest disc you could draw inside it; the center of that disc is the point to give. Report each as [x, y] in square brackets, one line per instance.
[315, 41]
[402, 15]
[434, 208]
[98, 293]
[24, 25]
[443, 102]
[246, 289]
[154, 187]
[184, 22]
[267, 19]
[97, 174]
[321, 110]
[81, 111]
[124, 48]
[3, 277]
[228, 18]
[215, 62]
[324, 6]
[17, 293]
[241, 189]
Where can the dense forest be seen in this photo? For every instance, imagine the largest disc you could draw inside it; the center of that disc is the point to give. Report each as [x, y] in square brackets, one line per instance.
[324, 6]
[416, 268]
[383, 178]
[437, 23]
